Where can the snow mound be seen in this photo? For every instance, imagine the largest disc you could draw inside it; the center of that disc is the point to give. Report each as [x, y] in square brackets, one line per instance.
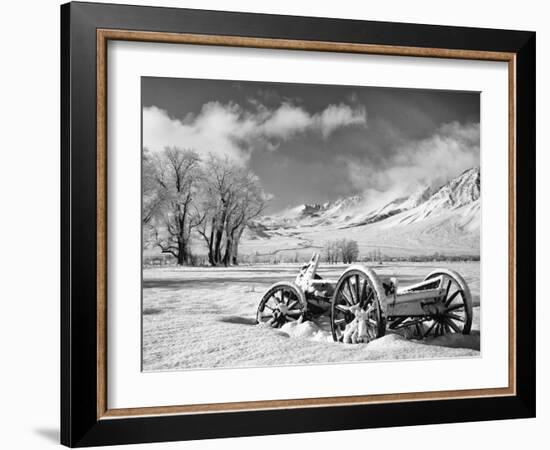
[306, 330]
[387, 342]
[390, 343]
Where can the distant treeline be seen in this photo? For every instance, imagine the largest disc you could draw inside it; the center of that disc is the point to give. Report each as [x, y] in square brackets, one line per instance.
[430, 258]
[372, 257]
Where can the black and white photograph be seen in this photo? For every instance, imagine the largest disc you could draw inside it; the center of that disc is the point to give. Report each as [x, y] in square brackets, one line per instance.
[276, 225]
[287, 224]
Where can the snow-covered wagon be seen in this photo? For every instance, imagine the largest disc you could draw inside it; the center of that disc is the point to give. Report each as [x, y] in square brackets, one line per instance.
[361, 305]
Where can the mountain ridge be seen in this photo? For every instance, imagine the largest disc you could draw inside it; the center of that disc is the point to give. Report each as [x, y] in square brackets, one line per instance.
[444, 219]
[350, 212]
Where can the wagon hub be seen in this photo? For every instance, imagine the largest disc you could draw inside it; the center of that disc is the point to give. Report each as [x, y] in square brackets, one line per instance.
[283, 309]
[433, 307]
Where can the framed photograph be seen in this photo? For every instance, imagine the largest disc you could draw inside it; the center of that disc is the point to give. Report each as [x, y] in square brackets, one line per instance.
[276, 224]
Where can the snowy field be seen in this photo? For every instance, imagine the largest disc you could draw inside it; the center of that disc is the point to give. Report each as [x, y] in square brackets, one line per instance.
[205, 318]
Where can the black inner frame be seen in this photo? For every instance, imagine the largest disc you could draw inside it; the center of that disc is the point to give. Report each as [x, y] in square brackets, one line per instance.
[79, 424]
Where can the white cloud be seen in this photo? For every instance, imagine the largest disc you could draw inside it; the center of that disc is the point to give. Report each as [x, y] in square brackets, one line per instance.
[286, 121]
[337, 116]
[453, 148]
[228, 129]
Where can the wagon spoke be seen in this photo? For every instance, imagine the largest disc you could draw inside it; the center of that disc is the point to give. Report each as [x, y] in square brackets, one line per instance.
[375, 312]
[291, 300]
[283, 296]
[453, 325]
[452, 297]
[346, 292]
[358, 288]
[428, 331]
[342, 308]
[454, 307]
[346, 298]
[370, 296]
[455, 317]
[363, 291]
[350, 292]
[293, 304]
[371, 332]
[293, 312]
[290, 319]
[355, 290]
[448, 288]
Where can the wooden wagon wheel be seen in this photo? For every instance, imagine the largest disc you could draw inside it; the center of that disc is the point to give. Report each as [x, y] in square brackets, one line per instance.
[457, 312]
[358, 291]
[282, 303]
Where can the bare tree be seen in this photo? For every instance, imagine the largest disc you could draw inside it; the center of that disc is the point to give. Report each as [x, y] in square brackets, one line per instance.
[248, 203]
[331, 251]
[349, 250]
[151, 195]
[151, 198]
[217, 197]
[232, 196]
[176, 174]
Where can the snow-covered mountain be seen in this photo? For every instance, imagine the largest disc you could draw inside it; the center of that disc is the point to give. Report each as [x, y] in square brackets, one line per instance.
[338, 212]
[396, 206]
[353, 211]
[460, 192]
[453, 209]
[433, 218]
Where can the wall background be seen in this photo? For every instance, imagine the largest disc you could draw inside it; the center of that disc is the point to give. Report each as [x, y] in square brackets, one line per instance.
[29, 190]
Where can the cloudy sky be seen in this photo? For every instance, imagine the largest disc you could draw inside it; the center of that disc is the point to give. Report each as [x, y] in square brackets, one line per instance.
[316, 143]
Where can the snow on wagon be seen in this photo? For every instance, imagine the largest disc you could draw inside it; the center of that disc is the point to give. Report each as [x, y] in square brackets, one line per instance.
[361, 305]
